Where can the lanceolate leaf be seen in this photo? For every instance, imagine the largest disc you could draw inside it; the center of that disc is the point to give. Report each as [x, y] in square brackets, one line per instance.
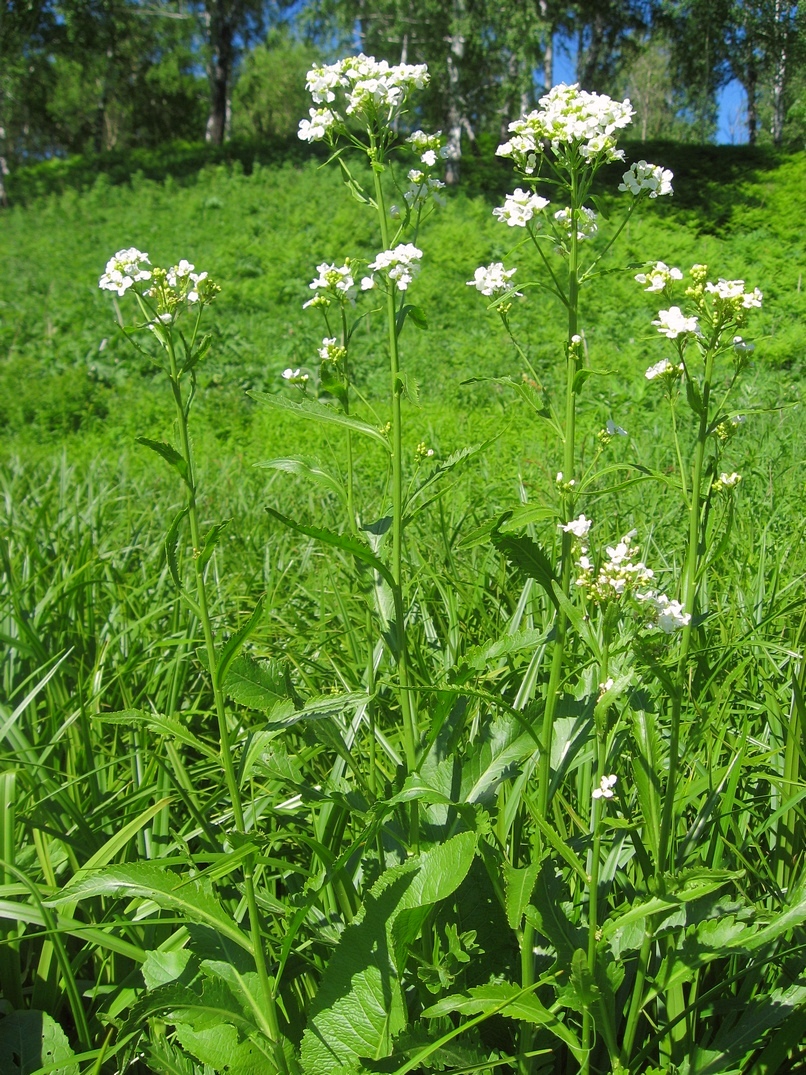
[510, 1000]
[527, 556]
[169, 454]
[233, 645]
[308, 468]
[187, 897]
[339, 541]
[319, 412]
[519, 884]
[359, 1006]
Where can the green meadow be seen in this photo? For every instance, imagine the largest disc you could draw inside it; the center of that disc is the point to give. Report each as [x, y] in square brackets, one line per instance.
[129, 883]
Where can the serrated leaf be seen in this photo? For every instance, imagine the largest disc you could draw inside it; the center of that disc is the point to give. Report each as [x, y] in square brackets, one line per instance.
[509, 1000]
[548, 916]
[407, 384]
[503, 748]
[233, 645]
[329, 705]
[164, 725]
[311, 469]
[359, 1006]
[339, 541]
[256, 684]
[527, 556]
[319, 412]
[170, 455]
[171, 543]
[209, 543]
[519, 883]
[30, 1040]
[190, 898]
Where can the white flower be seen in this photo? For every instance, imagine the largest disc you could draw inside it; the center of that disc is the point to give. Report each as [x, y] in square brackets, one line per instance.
[337, 279]
[331, 350]
[614, 430]
[578, 527]
[400, 265]
[664, 368]
[673, 323]
[295, 376]
[317, 127]
[492, 279]
[571, 120]
[606, 785]
[647, 177]
[741, 346]
[726, 481]
[519, 208]
[659, 276]
[586, 222]
[670, 614]
[123, 270]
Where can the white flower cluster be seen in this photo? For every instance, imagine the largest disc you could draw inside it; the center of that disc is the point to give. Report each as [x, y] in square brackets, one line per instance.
[492, 279]
[400, 265]
[664, 368]
[373, 90]
[570, 119]
[429, 147]
[731, 295]
[660, 276]
[647, 178]
[623, 574]
[586, 222]
[423, 188]
[331, 350]
[336, 280]
[605, 789]
[578, 527]
[171, 287]
[519, 208]
[125, 269]
[672, 323]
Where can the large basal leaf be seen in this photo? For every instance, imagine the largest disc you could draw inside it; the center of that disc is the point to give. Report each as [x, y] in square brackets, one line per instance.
[509, 1000]
[189, 898]
[30, 1040]
[359, 1006]
[503, 748]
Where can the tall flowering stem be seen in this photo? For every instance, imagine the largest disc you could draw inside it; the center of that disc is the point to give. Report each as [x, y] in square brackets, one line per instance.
[169, 296]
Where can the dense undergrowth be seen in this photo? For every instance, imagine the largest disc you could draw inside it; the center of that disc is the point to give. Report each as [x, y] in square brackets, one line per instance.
[111, 755]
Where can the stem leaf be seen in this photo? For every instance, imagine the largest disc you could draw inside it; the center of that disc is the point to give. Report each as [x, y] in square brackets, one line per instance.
[318, 412]
[170, 455]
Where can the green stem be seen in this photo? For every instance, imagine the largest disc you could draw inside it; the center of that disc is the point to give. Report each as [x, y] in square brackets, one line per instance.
[560, 620]
[271, 1024]
[689, 592]
[406, 696]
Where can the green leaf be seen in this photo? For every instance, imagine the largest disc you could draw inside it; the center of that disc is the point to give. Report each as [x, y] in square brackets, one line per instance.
[319, 412]
[352, 183]
[519, 884]
[187, 897]
[171, 543]
[693, 396]
[234, 644]
[407, 384]
[527, 556]
[339, 541]
[510, 1000]
[256, 684]
[209, 543]
[503, 748]
[170, 455]
[30, 1040]
[582, 376]
[548, 916]
[164, 725]
[329, 705]
[359, 1006]
[311, 469]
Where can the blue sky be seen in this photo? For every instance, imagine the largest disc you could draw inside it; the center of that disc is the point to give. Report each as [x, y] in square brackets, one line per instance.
[731, 128]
